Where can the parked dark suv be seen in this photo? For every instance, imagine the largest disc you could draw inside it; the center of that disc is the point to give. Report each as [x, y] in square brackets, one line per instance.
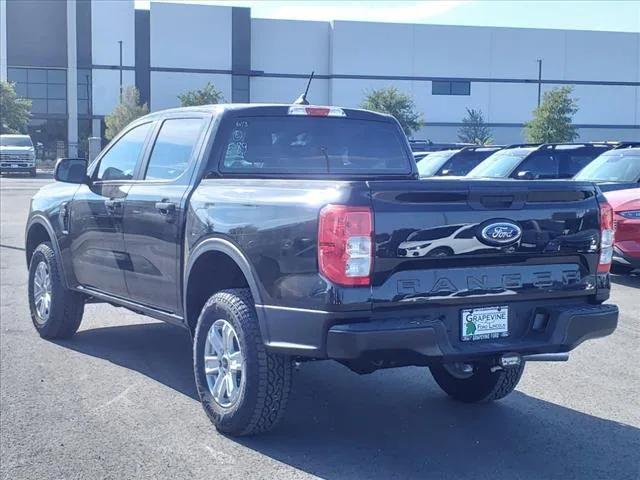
[456, 162]
[533, 162]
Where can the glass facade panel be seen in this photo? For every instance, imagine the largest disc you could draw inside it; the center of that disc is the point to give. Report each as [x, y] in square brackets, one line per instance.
[38, 105]
[17, 75]
[57, 92]
[47, 89]
[21, 89]
[36, 75]
[37, 90]
[84, 92]
[440, 88]
[450, 87]
[57, 76]
[460, 88]
[57, 106]
[83, 107]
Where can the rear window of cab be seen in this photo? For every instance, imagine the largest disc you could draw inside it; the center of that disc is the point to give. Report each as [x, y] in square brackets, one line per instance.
[309, 144]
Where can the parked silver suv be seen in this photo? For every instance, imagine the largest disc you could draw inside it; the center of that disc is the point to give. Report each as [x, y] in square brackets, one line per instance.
[17, 154]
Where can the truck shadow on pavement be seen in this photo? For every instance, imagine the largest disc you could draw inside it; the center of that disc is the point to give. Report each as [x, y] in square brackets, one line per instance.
[394, 423]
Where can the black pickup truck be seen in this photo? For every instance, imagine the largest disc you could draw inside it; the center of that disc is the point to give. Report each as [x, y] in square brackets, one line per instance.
[280, 234]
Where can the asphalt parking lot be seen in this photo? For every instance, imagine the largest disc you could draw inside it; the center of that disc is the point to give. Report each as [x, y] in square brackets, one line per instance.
[118, 401]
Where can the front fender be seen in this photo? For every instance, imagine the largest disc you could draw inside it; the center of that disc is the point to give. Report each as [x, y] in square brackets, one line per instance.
[41, 220]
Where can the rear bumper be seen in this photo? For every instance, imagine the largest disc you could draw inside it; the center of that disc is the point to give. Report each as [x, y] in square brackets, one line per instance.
[434, 334]
[20, 169]
[566, 328]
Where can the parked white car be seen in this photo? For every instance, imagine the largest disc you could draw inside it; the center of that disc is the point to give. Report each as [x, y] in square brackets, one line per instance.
[441, 242]
[17, 154]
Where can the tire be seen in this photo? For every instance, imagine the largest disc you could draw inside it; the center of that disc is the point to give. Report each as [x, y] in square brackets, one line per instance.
[481, 386]
[32, 173]
[440, 252]
[265, 380]
[66, 307]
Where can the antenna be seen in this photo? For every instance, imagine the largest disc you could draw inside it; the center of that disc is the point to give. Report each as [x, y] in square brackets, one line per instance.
[302, 99]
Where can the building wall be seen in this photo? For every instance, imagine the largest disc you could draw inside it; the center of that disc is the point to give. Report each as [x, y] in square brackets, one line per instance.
[188, 44]
[501, 64]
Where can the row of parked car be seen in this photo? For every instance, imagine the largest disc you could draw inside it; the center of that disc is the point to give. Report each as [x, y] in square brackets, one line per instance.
[614, 166]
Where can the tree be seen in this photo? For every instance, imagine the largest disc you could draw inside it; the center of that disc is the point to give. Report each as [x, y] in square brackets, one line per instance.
[125, 112]
[474, 130]
[551, 121]
[207, 95]
[400, 105]
[14, 111]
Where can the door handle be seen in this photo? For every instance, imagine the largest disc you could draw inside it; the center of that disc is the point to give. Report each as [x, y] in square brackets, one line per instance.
[168, 209]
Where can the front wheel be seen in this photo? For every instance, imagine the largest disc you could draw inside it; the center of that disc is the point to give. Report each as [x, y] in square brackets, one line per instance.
[56, 312]
[243, 387]
[480, 385]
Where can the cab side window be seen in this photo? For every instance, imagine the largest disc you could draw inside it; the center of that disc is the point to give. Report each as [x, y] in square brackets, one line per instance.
[540, 164]
[120, 161]
[173, 148]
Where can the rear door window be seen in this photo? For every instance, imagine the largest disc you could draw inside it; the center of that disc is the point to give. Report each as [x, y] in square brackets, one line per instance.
[296, 144]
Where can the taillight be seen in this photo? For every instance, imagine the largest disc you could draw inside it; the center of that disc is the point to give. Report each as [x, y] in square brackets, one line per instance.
[345, 251]
[313, 111]
[606, 237]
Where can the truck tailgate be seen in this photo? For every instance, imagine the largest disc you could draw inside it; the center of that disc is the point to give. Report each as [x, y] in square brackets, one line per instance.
[474, 241]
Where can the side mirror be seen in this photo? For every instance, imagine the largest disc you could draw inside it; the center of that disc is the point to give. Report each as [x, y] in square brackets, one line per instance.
[526, 175]
[71, 170]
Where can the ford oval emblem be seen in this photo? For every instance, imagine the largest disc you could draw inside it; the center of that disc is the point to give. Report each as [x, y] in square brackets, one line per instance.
[499, 233]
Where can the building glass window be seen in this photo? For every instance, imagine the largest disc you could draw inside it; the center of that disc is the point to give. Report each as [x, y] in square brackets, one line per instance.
[450, 87]
[46, 88]
[84, 91]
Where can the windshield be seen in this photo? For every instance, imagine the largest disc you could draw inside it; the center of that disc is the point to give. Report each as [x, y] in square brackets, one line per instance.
[15, 141]
[430, 164]
[295, 144]
[613, 166]
[500, 164]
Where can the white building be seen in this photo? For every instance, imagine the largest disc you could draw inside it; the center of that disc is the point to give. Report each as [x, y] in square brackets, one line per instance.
[174, 47]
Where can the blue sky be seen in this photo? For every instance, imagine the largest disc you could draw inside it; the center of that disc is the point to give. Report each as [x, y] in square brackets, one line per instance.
[611, 15]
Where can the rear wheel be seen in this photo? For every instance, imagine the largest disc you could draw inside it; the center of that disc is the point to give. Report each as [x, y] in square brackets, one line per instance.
[56, 312]
[479, 385]
[243, 387]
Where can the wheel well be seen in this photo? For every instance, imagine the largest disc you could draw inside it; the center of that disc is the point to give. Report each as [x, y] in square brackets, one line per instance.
[37, 234]
[212, 272]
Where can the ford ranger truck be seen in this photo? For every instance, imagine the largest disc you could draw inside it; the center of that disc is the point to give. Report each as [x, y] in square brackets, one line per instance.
[278, 234]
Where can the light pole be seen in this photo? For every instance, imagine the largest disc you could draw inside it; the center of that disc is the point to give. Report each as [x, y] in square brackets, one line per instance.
[120, 44]
[539, 79]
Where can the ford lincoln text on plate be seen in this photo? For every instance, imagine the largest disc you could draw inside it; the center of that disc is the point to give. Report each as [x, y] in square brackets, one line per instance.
[278, 233]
